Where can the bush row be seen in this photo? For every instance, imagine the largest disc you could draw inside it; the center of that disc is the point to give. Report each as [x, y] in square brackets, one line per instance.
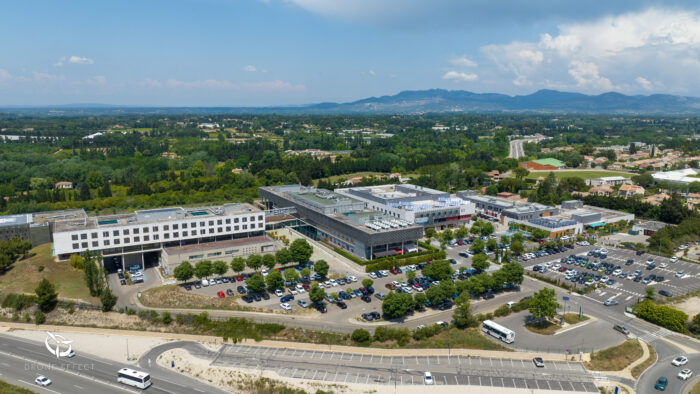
[662, 315]
[388, 264]
[19, 301]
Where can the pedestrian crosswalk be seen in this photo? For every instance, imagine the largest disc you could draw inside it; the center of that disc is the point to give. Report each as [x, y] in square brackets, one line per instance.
[653, 336]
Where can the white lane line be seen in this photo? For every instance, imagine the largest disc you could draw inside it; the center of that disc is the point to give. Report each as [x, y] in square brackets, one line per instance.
[34, 385]
[79, 387]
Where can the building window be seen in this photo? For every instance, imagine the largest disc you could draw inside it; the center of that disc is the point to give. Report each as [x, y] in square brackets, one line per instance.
[245, 219]
[193, 224]
[166, 227]
[233, 251]
[176, 226]
[127, 240]
[93, 235]
[106, 242]
[175, 235]
[245, 227]
[146, 238]
[228, 221]
[116, 241]
[184, 233]
[95, 244]
[202, 224]
[155, 228]
[184, 225]
[145, 229]
[105, 234]
[235, 220]
[235, 228]
[211, 222]
[166, 236]
[76, 246]
[196, 256]
[136, 231]
[83, 236]
[74, 237]
[137, 239]
[228, 228]
[260, 217]
[219, 222]
[214, 254]
[84, 245]
[211, 231]
[126, 231]
[220, 230]
[155, 237]
[202, 231]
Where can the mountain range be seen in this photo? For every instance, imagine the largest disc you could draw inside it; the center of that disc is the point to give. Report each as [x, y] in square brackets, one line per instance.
[429, 101]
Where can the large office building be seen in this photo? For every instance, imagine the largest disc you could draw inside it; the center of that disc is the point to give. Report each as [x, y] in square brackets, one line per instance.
[344, 221]
[35, 227]
[414, 204]
[133, 238]
[499, 208]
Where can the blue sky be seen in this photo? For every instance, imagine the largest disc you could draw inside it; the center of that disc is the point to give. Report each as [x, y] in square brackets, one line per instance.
[276, 52]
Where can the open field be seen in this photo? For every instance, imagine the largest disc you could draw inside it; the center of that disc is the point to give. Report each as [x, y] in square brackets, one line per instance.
[8, 388]
[585, 174]
[364, 174]
[616, 358]
[470, 338]
[24, 276]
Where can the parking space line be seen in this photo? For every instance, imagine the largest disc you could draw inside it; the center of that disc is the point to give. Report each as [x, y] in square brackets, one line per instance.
[438, 359]
[305, 372]
[456, 381]
[324, 376]
[555, 365]
[480, 381]
[367, 381]
[491, 380]
[295, 371]
[469, 381]
[569, 365]
[523, 363]
[357, 378]
[346, 377]
[445, 379]
[336, 375]
[315, 373]
[548, 385]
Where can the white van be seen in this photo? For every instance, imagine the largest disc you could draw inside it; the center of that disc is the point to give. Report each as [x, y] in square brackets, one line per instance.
[411, 250]
[205, 283]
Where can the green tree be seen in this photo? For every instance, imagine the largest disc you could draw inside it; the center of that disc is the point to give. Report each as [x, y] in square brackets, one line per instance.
[487, 229]
[695, 324]
[47, 296]
[202, 269]
[440, 292]
[520, 172]
[274, 280]
[447, 235]
[219, 267]
[106, 190]
[269, 261]
[438, 270]
[514, 273]
[91, 275]
[396, 305]
[538, 234]
[367, 282]
[238, 264]
[517, 248]
[94, 180]
[283, 256]
[477, 246]
[460, 232]
[254, 262]
[517, 237]
[463, 317]
[543, 304]
[429, 233]
[184, 271]
[301, 250]
[480, 262]
[361, 337]
[316, 294]
[420, 299]
[321, 268]
[491, 244]
[649, 290]
[291, 275]
[108, 300]
[305, 272]
[410, 275]
[255, 283]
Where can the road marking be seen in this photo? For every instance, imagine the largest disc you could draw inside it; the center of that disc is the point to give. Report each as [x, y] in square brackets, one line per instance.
[324, 376]
[367, 381]
[79, 387]
[602, 293]
[43, 388]
[555, 366]
[314, 377]
[305, 372]
[628, 298]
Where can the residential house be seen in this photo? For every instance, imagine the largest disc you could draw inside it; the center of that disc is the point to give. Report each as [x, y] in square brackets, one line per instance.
[628, 191]
[656, 198]
[692, 200]
[602, 190]
[607, 180]
[64, 185]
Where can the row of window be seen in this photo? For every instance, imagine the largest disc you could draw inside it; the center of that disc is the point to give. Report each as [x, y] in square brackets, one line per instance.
[166, 227]
[166, 236]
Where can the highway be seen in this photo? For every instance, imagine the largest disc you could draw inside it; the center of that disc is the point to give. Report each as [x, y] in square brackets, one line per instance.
[516, 149]
[23, 360]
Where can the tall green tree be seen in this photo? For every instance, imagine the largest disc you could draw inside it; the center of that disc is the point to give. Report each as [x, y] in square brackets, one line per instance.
[301, 250]
[291, 275]
[480, 262]
[47, 296]
[283, 256]
[274, 280]
[269, 261]
[219, 267]
[321, 268]
[255, 283]
[184, 271]
[238, 264]
[316, 294]
[203, 269]
[463, 317]
[91, 275]
[543, 304]
[254, 262]
[108, 300]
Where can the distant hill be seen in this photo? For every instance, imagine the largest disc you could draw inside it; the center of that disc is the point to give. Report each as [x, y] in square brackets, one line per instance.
[425, 101]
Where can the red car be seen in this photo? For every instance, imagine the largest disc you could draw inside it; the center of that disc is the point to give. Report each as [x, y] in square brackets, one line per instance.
[239, 278]
[221, 294]
[393, 271]
[306, 286]
[562, 269]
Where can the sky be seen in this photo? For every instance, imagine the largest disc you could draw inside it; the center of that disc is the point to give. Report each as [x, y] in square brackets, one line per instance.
[289, 52]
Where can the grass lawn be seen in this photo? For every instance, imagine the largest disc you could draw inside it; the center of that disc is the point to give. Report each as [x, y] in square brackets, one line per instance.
[696, 389]
[636, 371]
[24, 276]
[353, 175]
[470, 338]
[616, 358]
[8, 388]
[572, 318]
[581, 174]
[544, 328]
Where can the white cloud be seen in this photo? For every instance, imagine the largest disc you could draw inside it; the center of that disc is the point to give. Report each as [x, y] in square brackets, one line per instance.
[73, 60]
[97, 80]
[4, 75]
[459, 76]
[607, 53]
[463, 61]
[250, 68]
[372, 73]
[644, 83]
[587, 76]
[46, 77]
[150, 83]
[276, 85]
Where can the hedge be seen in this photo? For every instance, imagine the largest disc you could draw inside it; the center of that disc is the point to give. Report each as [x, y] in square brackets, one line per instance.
[662, 315]
[383, 259]
[391, 263]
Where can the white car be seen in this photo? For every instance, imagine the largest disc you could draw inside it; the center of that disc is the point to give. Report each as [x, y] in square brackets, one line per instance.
[418, 288]
[548, 264]
[264, 272]
[680, 360]
[674, 259]
[385, 272]
[663, 265]
[300, 289]
[333, 282]
[372, 275]
[286, 306]
[42, 380]
[205, 283]
[352, 278]
[327, 283]
[395, 283]
[407, 290]
[279, 293]
[685, 374]
[556, 266]
[293, 291]
[428, 379]
[679, 274]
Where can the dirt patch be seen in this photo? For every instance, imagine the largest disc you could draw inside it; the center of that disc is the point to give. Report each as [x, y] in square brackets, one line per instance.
[691, 306]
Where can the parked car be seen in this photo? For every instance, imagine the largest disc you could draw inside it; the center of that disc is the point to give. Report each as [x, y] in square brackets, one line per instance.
[286, 306]
[229, 292]
[303, 304]
[428, 379]
[241, 290]
[665, 293]
[342, 305]
[539, 363]
[610, 302]
[287, 298]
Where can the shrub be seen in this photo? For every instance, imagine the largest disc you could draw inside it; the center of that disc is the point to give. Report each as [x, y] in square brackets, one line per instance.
[502, 310]
[19, 301]
[662, 315]
[41, 268]
[426, 332]
[39, 317]
[167, 319]
[361, 337]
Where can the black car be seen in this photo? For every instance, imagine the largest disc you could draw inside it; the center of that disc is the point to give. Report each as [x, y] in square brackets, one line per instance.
[640, 252]
[341, 305]
[187, 287]
[375, 315]
[367, 316]
[488, 296]
[265, 296]
[240, 290]
[321, 307]
[366, 298]
[638, 278]
[463, 254]
[629, 262]
[659, 279]
[665, 293]
[247, 298]
[444, 306]
[257, 297]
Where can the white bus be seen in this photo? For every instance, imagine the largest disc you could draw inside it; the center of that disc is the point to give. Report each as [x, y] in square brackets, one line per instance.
[498, 331]
[134, 378]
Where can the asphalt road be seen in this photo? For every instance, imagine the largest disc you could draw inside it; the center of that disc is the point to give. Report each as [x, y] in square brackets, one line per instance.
[663, 367]
[82, 373]
[516, 149]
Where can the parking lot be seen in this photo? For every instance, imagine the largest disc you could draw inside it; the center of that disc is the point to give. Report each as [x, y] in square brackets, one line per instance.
[343, 367]
[626, 291]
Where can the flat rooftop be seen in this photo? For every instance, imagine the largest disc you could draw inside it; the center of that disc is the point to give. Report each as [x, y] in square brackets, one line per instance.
[15, 220]
[152, 216]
